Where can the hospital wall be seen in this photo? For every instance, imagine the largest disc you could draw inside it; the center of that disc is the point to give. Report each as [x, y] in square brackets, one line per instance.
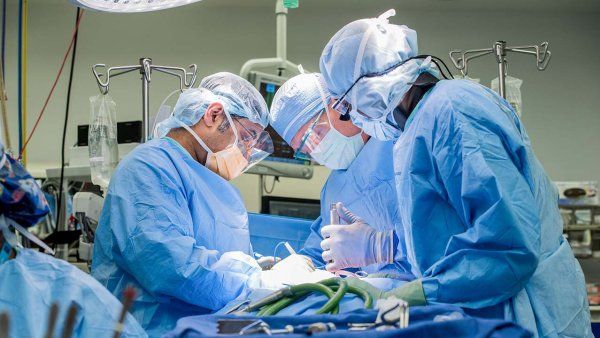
[561, 104]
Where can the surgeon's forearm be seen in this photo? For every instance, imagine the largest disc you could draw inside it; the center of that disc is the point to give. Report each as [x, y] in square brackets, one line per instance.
[479, 279]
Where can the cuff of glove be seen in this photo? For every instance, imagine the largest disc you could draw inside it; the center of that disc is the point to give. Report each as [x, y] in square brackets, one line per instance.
[384, 244]
[411, 292]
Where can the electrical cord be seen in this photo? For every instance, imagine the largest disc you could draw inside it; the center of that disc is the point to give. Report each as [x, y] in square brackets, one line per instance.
[270, 191]
[54, 84]
[68, 104]
[3, 36]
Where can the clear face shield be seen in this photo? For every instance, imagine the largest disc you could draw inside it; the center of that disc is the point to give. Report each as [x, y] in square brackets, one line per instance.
[311, 138]
[252, 140]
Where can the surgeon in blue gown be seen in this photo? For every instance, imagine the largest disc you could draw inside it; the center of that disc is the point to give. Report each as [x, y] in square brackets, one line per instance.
[31, 281]
[359, 180]
[479, 213]
[172, 225]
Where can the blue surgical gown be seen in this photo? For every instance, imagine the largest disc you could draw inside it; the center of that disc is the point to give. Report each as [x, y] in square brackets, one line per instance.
[367, 189]
[165, 228]
[480, 215]
[33, 281]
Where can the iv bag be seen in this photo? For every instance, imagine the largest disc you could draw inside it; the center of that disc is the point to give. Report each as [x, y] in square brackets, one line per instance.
[466, 77]
[513, 92]
[102, 139]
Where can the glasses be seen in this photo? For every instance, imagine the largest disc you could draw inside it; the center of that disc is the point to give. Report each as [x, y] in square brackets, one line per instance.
[311, 138]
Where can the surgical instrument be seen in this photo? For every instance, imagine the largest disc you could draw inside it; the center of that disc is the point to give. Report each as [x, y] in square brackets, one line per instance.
[128, 296]
[52, 317]
[70, 321]
[245, 327]
[289, 248]
[393, 314]
[4, 322]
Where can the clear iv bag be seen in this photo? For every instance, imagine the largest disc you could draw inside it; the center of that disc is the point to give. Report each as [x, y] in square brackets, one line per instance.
[102, 139]
[513, 92]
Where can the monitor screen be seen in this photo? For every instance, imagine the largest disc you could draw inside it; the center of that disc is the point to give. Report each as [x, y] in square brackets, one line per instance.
[282, 152]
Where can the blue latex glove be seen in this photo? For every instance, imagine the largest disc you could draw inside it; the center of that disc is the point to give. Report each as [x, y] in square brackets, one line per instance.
[355, 244]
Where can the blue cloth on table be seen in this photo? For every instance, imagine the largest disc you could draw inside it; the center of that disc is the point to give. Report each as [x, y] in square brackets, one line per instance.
[422, 324]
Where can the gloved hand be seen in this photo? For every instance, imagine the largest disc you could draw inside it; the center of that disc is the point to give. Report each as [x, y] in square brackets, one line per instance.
[411, 292]
[267, 262]
[294, 269]
[356, 244]
[294, 264]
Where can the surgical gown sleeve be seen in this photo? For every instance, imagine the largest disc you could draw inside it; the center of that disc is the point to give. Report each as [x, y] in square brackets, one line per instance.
[312, 246]
[480, 178]
[161, 251]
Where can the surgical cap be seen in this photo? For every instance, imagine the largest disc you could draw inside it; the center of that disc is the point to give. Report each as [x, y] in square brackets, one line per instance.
[190, 107]
[246, 101]
[371, 46]
[296, 102]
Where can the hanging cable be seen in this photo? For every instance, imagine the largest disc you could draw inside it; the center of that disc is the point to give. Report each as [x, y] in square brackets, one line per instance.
[19, 75]
[23, 156]
[68, 104]
[41, 114]
[3, 36]
[4, 111]
[270, 191]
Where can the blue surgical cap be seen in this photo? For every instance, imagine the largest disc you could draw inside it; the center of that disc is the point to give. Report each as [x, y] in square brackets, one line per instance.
[369, 47]
[296, 102]
[245, 100]
[190, 107]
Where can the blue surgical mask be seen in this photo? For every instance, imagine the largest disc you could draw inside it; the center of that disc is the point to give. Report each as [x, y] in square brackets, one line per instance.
[337, 151]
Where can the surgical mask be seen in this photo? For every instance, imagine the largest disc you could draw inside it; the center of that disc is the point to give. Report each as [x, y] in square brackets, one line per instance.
[228, 163]
[337, 151]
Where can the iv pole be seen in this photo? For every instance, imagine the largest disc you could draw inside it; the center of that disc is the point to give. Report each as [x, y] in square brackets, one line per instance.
[500, 50]
[186, 80]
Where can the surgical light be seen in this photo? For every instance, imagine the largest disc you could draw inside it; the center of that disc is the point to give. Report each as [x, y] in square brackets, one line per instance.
[130, 6]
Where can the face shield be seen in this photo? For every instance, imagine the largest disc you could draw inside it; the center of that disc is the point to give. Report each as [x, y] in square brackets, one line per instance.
[317, 130]
[252, 140]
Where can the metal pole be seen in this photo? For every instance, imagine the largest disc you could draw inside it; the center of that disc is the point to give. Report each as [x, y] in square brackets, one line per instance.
[281, 32]
[145, 70]
[500, 52]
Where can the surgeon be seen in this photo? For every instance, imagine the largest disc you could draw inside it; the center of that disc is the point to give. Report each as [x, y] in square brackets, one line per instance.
[172, 225]
[301, 113]
[479, 213]
[31, 281]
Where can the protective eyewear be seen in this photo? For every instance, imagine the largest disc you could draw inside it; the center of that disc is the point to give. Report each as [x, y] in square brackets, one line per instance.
[344, 107]
[255, 143]
[312, 137]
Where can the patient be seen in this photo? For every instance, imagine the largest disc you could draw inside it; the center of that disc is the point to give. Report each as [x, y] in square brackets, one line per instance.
[31, 281]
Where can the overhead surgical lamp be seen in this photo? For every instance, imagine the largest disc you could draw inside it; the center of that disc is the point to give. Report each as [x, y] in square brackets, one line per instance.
[130, 6]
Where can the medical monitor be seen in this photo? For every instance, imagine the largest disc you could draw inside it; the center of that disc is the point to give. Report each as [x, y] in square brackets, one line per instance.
[267, 85]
